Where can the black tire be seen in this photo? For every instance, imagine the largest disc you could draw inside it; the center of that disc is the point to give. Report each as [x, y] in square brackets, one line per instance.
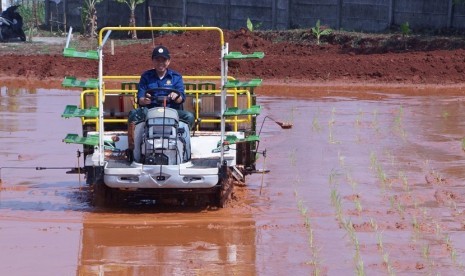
[225, 189]
[22, 35]
[102, 195]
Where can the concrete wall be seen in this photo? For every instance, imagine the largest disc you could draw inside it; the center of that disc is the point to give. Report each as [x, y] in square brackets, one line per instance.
[357, 15]
[422, 14]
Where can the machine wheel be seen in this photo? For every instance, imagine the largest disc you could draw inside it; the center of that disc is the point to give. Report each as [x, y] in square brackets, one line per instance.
[102, 195]
[224, 192]
[99, 194]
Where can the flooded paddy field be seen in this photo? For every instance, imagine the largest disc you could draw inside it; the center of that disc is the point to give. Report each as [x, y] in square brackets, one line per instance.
[365, 182]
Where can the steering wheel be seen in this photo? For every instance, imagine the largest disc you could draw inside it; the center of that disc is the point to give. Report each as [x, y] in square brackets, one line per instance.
[161, 99]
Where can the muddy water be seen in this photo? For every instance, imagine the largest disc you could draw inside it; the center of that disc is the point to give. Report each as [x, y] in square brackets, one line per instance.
[365, 182]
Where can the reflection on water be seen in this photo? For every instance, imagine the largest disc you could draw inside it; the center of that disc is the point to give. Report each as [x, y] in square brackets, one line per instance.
[17, 99]
[166, 245]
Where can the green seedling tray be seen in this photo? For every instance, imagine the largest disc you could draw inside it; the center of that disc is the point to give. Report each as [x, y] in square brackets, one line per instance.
[73, 82]
[72, 111]
[71, 52]
[232, 139]
[91, 140]
[236, 83]
[76, 139]
[239, 55]
[234, 111]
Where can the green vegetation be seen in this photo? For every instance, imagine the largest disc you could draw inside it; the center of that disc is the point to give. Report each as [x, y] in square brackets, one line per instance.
[252, 27]
[319, 31]
[169, 24]
[89, 17]
[405, 29]
[132, 17]
[33, 14]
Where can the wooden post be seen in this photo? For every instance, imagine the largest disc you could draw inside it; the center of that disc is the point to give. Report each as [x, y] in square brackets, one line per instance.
[274, 14]
[184, 12]
[289, 10]
[450, 13]
[150, 22]
[228, 14]
[112, 46]
[391, 13]
[64, 15]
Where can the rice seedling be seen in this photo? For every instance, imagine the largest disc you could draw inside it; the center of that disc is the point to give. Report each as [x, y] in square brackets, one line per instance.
[379, 169]
[388, 264]
[373, 224]
[453, 255]
[331, 123]
[358, 119]
[375, 123]
[447, 241]
[401, 209]
[302, 208]
[373, 160]
[379, 238]
[341, 159]
[404, 179]
[336, 202]
[293, 157]
[332, 177]
[437, 229]
[358, 205]
[445, 114]
[359, 269]
[398, 123]
[426, 251]
[416, 226]
[352, 182]
[392, 201]
[349, 227]
[316, 125]
[333, 116]
[331, 136]
[438, 177]
[310, 232]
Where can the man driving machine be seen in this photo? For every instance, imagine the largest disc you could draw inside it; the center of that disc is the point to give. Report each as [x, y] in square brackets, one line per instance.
[162, 82]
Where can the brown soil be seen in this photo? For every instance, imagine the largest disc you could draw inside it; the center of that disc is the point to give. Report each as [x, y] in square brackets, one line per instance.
[290, 56]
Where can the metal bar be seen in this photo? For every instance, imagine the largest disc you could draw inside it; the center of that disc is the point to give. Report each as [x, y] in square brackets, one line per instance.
[105, 38]
[68, 39]
[224, 74]
[162, 29]
[101, 99]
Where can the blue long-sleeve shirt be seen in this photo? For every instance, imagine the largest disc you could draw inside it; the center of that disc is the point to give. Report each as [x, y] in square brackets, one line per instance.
[172, 79]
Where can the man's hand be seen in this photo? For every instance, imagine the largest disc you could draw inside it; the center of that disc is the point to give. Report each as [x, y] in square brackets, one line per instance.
[145, 100]
[175, 97]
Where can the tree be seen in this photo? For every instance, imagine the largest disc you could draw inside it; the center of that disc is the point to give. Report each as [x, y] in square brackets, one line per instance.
[132, 17]
[90, 17]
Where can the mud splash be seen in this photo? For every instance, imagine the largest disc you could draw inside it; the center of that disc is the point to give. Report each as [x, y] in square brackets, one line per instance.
[364, 181]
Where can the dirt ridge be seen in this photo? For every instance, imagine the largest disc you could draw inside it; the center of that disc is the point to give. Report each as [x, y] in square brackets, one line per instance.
[288, 56]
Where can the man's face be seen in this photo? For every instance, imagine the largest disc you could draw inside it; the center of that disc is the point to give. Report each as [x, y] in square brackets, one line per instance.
[160, 64]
